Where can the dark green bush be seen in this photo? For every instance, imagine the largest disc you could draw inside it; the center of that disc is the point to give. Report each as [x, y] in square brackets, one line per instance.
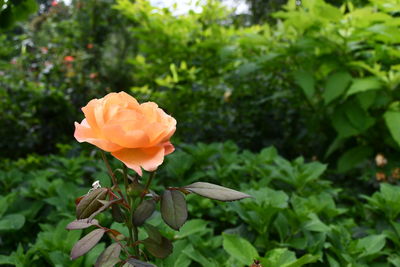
[294, 218]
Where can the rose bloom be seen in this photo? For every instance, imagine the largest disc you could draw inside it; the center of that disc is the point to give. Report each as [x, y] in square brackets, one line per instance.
[69, 58]
[136, 134]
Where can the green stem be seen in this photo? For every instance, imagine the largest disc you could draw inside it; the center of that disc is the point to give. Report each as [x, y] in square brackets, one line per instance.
[136, 238]
[125, 170]
[110, 172]
[146, 189]
[112, 175]
[129, 222]
[133, 230]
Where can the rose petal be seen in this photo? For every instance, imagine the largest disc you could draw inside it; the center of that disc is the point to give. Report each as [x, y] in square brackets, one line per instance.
[126, 139]
[162, 131]
[150, 111]
[169, 148]
[147, 158]
[89, 111]
[84, 133]
[122, 99]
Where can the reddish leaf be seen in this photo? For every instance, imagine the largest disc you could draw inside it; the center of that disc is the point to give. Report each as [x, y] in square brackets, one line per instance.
[173, 209]
[86, 243]
[143, 212]
[77, 200]
[153, 233]
[160, 250]
[109, 257]
[81, 224]
[216, 192]
[106, 204]
[137, 263]
[117, 213]
[89, 204]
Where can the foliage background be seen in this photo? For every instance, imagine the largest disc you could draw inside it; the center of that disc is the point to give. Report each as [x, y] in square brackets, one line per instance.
[318, 81]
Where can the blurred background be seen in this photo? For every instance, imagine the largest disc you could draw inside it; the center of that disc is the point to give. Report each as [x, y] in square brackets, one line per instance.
[296, 102]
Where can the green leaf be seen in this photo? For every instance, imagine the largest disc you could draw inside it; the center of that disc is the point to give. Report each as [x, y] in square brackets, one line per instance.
[278, 257]
[196, 226]
[367, 99]
[332, 262]
[216, 192]
[7, 17]
[179, 163]
[335, 145]
[173, 209]
[239, 248]
[315, 224]
[281, 224]
[395, 260]
[143, 212]
[392, 119]
[371, 245]
[247, 69]
[305, 259]
[336, 85]
[197, 256]
[24, 9]
[283, 257]
[353, 157]
[306, 81]
[178, 258]
[12, 222]
[5, 202]
[268, 154]
[358, 117]
[86, 243]
[109, 257]
[364, 84]
[7, 259]
[342, 124]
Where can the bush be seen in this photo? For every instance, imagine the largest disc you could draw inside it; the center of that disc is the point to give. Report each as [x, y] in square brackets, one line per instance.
[295, 217]
[321, 82]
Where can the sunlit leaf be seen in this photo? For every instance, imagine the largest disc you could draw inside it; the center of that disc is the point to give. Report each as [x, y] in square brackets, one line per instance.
[240, 249]
[81, 224]
[216, 192]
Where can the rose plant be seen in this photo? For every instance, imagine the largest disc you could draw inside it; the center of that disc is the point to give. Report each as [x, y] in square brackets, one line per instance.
[139, 136]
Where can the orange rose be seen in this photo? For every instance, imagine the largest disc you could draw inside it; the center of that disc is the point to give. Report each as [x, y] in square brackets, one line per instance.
[136, 134]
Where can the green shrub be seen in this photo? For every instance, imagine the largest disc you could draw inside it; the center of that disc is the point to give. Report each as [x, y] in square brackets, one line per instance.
[294, 218]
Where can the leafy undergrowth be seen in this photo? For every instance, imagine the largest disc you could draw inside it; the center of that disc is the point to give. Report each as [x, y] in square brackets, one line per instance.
[295, 218]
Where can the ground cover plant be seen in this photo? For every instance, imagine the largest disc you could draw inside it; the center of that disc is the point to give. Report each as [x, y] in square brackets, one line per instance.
[297, 216]
[301, 112]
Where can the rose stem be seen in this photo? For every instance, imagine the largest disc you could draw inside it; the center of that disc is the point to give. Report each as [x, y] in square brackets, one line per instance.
[125, 170]
[132, 228]
[146, 189]
[135, 229]
[129, 217]
[111, 173]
